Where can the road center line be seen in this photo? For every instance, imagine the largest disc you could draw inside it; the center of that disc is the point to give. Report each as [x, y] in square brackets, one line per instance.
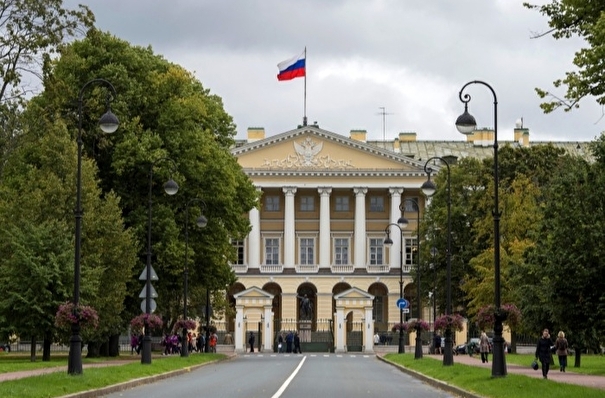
[288, 380]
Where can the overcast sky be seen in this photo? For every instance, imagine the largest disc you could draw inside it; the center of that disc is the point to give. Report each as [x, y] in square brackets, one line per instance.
[408, 57]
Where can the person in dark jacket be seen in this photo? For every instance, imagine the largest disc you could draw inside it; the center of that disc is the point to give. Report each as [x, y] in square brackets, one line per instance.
[251, 341]
[297, 343]
[289, 341]
[543, 352]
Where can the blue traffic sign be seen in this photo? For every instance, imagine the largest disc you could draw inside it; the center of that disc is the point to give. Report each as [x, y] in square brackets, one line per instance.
[402, 304]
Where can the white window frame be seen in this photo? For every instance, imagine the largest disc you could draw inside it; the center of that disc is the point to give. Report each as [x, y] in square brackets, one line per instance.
[313, 250]
[239, 244]
[265, 251]
[335, 260]
[380, 246]
[376, 203]
[272, 203]
[339, 207]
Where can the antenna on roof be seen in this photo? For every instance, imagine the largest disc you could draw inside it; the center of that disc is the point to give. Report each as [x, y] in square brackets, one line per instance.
[384, 113]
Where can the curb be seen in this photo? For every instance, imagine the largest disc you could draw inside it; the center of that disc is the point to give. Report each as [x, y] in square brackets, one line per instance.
[138, 382]
[433, 382]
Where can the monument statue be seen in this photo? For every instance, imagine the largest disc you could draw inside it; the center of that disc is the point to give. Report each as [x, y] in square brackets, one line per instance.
[306, 309]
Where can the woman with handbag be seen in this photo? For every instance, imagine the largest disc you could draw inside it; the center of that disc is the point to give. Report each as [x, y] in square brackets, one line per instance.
[561, 346]
[543, 352]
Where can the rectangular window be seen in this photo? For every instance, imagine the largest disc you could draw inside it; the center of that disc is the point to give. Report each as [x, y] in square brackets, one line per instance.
[341, 251]
[411, 205]
[271, 203]
[377, 203]
[272, 251]
[307, 203]
[239, 248]
[376, 251]
[342, 203]
[411, 247]
[307, 250]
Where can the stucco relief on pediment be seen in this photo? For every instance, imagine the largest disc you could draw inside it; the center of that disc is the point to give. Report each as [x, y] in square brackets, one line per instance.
[307, 154]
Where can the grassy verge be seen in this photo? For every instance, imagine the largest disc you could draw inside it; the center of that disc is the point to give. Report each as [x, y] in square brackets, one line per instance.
[18, 361]
[60, 383]
[479, 381]
[590, 364]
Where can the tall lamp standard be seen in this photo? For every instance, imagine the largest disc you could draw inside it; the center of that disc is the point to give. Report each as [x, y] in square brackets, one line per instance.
[429, 188]
[109, 124]
[388, 241]
[171, 188]
[434, 294]
[403, 222]
[201, 222]
[466, 124]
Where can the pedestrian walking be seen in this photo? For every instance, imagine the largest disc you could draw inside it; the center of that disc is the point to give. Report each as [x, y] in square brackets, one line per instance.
[484, 347]
[280, 343]
[289, 341]
[251, 341]
[543, 352]
[297, 343]
[561, 346]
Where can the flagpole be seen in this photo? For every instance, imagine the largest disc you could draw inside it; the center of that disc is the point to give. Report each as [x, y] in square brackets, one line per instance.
[305, 97]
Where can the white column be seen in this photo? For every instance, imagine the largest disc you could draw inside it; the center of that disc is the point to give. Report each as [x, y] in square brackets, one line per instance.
[254, 239]
[360, 227]
[267, 333]
[239, 329]
[340, 330]
[289, 225]
[368, 332]
[395, 232]
[324, 226]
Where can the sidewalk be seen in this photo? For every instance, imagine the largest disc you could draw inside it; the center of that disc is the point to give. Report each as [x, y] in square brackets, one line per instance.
[569, 376]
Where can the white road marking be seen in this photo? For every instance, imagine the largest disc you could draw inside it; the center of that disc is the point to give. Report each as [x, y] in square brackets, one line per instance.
[288, 380]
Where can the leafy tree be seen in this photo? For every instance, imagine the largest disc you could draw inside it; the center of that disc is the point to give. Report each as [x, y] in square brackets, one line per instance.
[38, 197]
[164, 112]
[586, 20]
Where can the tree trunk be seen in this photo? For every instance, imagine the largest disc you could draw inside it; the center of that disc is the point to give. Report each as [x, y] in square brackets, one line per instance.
[93, 350]
[114, 345]
[46, 347]
[32, 349]
[578, 355]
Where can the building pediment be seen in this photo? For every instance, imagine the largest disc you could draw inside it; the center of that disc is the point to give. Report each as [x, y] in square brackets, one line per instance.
[310, 150]
[253, 293]
[353, 293]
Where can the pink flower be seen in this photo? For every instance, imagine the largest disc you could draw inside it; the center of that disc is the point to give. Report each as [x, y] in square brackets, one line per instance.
[455, 322]
[153, 321]
[417, 324]
[68, 315]
[184, 324]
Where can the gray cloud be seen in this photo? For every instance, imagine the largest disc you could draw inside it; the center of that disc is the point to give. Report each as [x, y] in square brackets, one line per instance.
[411, 57]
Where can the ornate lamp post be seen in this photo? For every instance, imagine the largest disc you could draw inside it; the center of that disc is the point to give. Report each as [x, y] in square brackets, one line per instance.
[466, 124]
[109, 124]
[171, 188]
[201, 222]
[388, 241]
[429, 188]
[403, 222]
[434, 293]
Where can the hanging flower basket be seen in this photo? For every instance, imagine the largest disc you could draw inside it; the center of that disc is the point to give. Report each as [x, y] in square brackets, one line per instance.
[455, 322]
[418, 324]
[184, 324]
[400, 326]
[138, 322]
[509, 313]
[68, 315]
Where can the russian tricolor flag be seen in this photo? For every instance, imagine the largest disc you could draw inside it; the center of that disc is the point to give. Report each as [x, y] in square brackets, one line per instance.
[292, 68]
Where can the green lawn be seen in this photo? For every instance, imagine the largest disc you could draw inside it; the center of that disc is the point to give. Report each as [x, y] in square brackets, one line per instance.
[60, 383]
[479, 381]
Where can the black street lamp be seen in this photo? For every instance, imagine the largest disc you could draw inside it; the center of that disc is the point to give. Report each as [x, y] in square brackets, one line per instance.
[171, 188]
[109, 124]
[429, 188]
[403, 222]
[434, 293]
[207, 341]
[388, 241]
[201, 222]
[466, 124]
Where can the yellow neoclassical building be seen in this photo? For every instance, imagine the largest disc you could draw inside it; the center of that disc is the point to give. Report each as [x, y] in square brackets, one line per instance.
[315, 260]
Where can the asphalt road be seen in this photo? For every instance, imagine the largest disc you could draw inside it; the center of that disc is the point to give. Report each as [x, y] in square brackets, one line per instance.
[290, 376]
